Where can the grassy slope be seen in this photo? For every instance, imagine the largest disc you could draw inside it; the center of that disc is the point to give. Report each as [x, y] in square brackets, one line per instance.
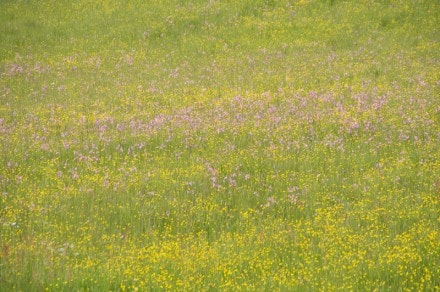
[235, 144]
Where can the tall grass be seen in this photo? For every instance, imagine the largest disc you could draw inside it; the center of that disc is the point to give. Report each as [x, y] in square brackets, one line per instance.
[219, 145]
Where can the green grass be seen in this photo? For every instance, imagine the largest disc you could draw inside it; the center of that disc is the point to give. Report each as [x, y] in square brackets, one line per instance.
[219, 145]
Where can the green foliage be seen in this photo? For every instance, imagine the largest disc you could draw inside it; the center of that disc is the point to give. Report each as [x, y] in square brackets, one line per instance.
[219, 145]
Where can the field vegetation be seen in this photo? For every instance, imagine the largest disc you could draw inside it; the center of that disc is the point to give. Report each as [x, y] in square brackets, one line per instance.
[219, 145]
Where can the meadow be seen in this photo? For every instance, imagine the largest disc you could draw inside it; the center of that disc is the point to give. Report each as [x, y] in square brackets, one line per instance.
[252, 145]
